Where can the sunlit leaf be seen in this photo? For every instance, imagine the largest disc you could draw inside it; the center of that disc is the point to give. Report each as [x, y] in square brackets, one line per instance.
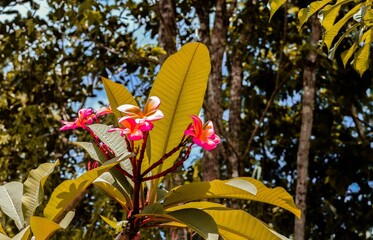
[346, 55]
[93, 150]
[24, 234]
[33, 189]
[305, 13]
[43, 228]
[11, 202]
[333, 31]
[65, 222]
[69, 190]
[4, 237]
[361, 59]
[104, 184]
[219, 189]
[118, 226]
[328, 15]
[273, 6]
[232, 223]
[117, 95]
[336, 45]
[181, 85]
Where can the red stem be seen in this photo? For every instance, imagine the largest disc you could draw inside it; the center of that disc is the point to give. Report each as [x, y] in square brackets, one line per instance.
[165, 156]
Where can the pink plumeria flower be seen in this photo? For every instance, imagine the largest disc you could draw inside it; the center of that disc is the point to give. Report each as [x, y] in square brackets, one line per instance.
[130, 128]
[203, 135]
[103, 111]
[151, 112]
[85, 117]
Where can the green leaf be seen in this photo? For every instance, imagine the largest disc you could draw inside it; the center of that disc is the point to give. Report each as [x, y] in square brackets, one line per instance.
[153, 208]
[105, 182]
[117, 95]
[333, 31]
[273, 6]
[181, 85]
[346, 55]
[24, 234]
[198, 220]
[361, 59]
[93, 150]
[336, 45]
[43, 228]
[33, 192]
[232, 223]
[11, 202]
[219, 189]
[118, 226]
[69, 190]
[302, 17]
[243, 184]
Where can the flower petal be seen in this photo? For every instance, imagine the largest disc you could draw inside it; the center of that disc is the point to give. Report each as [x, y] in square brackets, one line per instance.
[151, 105]
[131, 111]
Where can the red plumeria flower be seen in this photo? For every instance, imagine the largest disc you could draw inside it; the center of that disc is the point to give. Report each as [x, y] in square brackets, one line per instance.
[104, 111]
[151, 112]
[129, 127]
[203, 135]
[85, 117]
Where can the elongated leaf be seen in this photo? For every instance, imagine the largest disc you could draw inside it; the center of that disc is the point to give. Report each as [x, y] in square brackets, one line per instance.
[33, 189]
[112, 139]
[333, 31]
[93, 150]
[67, 219]
[232, 223]
[103, 182]
[154, 208]
[11, 203]
[336, 45]
[273, 6]
[181, 85]
[361, 59]
[315, 6]
[328, 15]
[196, 219]
[117, 95]
[118, 144]
[24, 234]
[346, 55]
[219, 189]
[69, 190]
[4, 237]
[118, 226]
[43, 228]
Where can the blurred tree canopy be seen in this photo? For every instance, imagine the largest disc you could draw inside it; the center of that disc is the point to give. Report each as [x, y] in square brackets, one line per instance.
[53, 52]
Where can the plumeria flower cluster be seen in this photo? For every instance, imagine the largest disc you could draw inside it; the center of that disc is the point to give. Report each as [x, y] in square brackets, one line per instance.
[135, 125]
[136, 122]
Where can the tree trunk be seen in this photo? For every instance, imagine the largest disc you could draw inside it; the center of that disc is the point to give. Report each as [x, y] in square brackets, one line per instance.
[309, 80]
[167, 27]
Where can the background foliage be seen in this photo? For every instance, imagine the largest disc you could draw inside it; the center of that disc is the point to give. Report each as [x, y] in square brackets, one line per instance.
[51, 58]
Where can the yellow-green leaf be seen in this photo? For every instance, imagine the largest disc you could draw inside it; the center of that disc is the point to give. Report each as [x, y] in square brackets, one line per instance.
[69, 190]
[33, 192]
[181, 85]
[361, 59]
[196, 219]
[333, 31]
[219, 189]
[329, 14]
[274, 5]
[106, 186]
[233, 224]
[346, 55]
[305, 13]
[65, 222]
[118, 226]
[117, 95]
[43, 228]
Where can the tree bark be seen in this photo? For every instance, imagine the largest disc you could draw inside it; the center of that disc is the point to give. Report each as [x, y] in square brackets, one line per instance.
[309, 81]
[167, 27]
